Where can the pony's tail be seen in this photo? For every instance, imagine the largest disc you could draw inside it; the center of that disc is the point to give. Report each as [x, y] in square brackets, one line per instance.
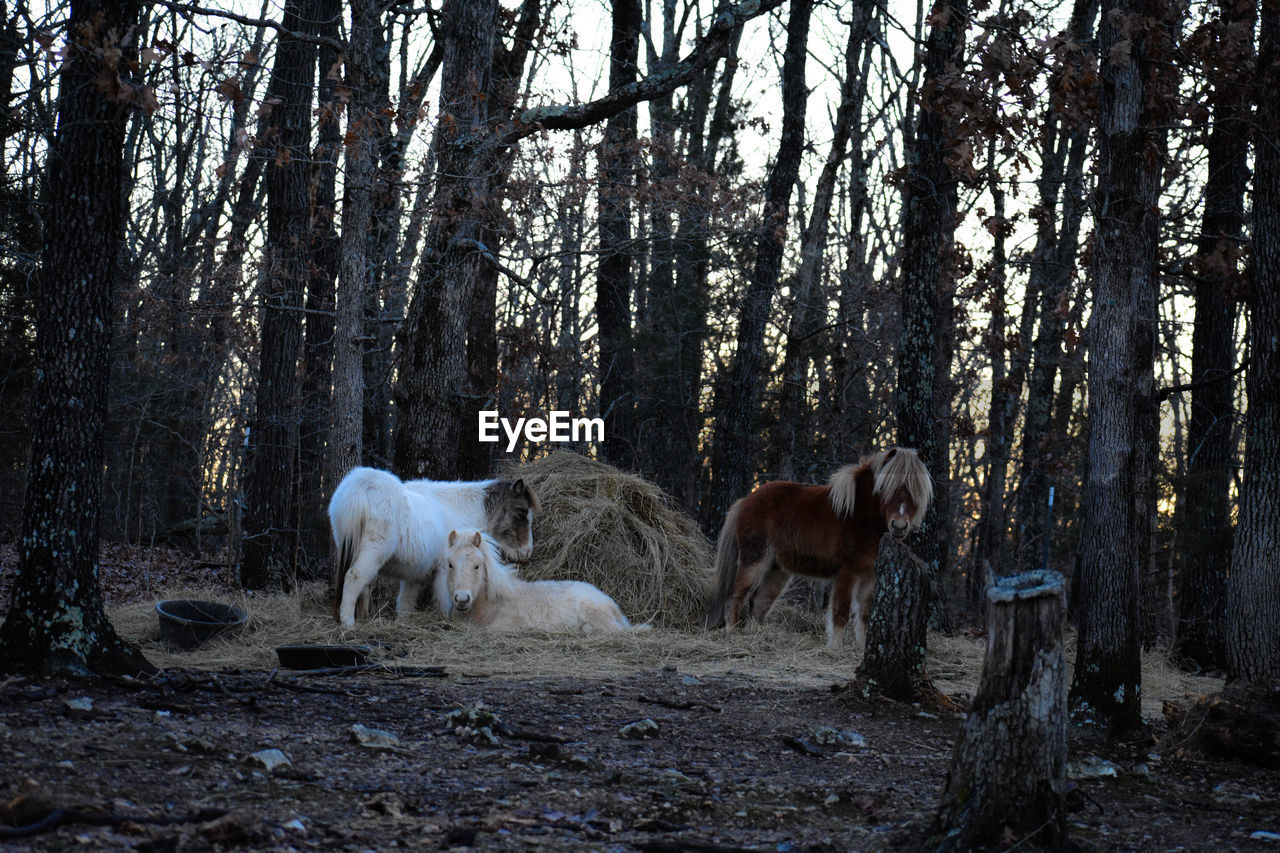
[346, 520]
[346, 553]
[726, 567]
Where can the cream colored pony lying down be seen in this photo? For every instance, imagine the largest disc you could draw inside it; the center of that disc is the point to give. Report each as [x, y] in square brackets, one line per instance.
[473, 584]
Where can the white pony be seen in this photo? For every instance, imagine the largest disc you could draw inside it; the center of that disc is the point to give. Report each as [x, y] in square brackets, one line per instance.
[474, 584]
[400, 529]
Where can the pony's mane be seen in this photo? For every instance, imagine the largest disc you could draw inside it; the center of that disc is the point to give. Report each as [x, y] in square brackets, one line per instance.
[844, 488]
[903, 468]
[499, 580]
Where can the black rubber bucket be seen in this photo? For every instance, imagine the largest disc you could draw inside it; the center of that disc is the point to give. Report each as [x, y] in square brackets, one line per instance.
[187, 623]
[322, 657]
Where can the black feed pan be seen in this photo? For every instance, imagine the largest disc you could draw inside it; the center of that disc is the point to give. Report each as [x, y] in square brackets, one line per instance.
[322, 657]
[187, 623]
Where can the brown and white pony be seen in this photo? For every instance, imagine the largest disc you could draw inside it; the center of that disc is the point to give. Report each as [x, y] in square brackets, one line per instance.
[399, 528]
[833, 531]
[473, 585]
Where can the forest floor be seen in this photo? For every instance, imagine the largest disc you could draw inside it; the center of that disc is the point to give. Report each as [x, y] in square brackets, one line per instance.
[529, 743]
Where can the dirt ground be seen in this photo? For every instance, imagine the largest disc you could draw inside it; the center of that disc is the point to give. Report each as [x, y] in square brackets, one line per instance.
[541, 743]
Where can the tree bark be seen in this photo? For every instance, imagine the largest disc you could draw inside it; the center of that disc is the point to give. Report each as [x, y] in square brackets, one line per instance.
[1130, 152]
[56, 623]
[1203, 552]
[270, 516]
[319, 320]
[736, 404]
[1253, 584]
[928, 282]
[433, 369]
[1008, 772]
[893, 662]
[346, 439]
[663, 327]
[614, 278]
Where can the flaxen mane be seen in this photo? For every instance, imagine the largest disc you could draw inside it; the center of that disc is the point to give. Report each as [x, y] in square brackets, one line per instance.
[844, 487]
[904, 468]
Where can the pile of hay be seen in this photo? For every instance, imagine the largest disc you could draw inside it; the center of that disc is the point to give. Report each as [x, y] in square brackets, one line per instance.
[621, 533]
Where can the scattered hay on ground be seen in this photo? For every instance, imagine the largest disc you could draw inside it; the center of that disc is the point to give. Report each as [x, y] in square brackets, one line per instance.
[790, 648]
[773, 652]
[621, 533]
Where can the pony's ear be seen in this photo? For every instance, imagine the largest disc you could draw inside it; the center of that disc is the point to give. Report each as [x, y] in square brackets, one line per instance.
[889, 455]
[453, 537]
[518, 487]
[475, 540]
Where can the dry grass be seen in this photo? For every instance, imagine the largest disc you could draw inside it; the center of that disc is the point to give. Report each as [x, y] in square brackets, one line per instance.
[788, 649]
[621, 533]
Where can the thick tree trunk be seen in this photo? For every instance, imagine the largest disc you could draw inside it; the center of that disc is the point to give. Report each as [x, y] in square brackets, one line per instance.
[736, 403]
[614, 277]
[1203, 552]
[271, 511]
[928, 285]
[475, 458]
[1008, 772]
[893, 662]
[56, 623]
[319, 320]
[1252, 635]
[1107, 685]
[433, 369]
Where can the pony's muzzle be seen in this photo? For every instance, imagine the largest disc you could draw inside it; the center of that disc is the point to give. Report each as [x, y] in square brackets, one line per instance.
[899, 527]
[462, 601]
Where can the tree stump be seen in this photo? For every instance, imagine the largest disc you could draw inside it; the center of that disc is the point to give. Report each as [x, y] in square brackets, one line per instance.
[893, 662]
[1008, 772]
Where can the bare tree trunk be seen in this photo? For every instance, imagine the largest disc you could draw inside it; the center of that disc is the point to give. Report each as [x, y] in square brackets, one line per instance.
[271, 520]
[662, 327]
[614, 279]
[56, 623]
[318, 329]
[391, 246]
[732, 452]
[433, 339]
[346, 448]
[1203, 552]
[924, 350]
[475, 458]
[1252, 635]
[1107, 685]
[850, 369]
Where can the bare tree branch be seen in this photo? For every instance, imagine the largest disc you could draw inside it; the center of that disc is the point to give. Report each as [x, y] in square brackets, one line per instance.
[712, 47]
[192, 9]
